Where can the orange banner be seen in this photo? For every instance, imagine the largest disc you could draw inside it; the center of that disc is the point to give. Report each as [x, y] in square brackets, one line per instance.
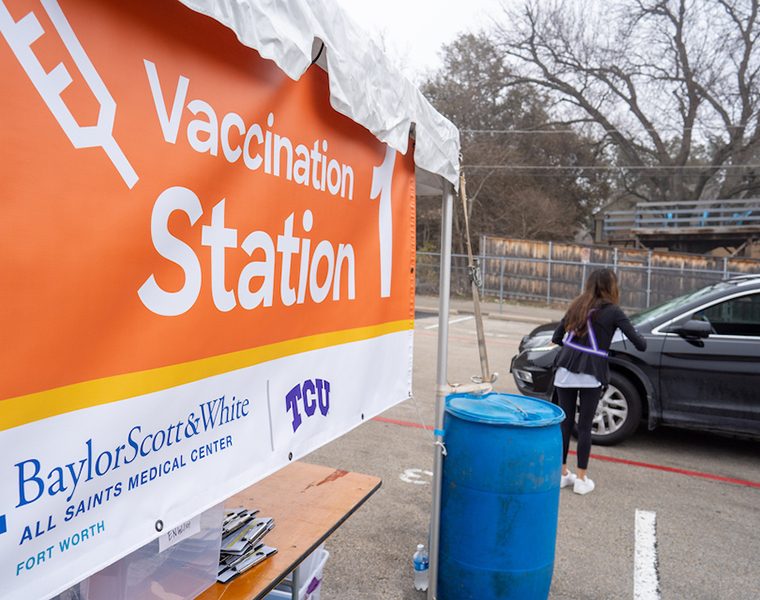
[170, 197]
[207, 272]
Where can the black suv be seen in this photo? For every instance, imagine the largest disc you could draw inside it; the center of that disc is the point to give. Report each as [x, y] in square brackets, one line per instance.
[701, 368]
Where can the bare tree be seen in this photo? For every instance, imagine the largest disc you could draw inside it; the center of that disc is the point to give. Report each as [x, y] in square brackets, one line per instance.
[506, 132]
[673, 85]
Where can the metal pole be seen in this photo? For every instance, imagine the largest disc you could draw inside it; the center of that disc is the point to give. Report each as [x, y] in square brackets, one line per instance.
[440, 392]
[501, 284]
[649, 278]
[483, 266]
[549, 278]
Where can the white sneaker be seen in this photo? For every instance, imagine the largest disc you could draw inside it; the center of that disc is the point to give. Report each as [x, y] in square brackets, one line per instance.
[583, 486]
[568, 479]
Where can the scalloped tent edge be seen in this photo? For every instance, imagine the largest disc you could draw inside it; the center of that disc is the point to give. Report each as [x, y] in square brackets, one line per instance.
[364, 85]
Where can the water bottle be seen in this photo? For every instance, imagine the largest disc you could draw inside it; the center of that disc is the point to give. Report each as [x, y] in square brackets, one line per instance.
[421, 568]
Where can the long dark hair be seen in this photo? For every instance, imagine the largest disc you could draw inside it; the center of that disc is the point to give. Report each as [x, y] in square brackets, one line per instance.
[601, 286]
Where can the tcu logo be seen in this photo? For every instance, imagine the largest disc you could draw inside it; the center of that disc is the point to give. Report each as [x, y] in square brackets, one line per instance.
[311, 393]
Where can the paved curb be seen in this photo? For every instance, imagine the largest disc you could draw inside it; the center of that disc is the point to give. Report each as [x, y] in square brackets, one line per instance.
[495, 316]
[521, 318]
[538, 316]
[435, 310]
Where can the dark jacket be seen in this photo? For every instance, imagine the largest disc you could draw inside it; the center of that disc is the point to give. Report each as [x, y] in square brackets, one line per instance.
[605, 321]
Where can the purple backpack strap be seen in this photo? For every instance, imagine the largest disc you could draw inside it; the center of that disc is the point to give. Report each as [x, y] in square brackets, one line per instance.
[592, 338]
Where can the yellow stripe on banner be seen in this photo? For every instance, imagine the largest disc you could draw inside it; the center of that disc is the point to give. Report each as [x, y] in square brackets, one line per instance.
[33, 407]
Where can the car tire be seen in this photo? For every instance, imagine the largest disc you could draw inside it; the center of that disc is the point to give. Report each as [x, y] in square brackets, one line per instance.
[618, 413]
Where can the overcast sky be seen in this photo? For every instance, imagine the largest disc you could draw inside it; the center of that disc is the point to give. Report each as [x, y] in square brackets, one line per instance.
[413, 31]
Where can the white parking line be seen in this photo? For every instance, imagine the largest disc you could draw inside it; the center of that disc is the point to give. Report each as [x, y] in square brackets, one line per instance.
[646, 581]
[450, 322]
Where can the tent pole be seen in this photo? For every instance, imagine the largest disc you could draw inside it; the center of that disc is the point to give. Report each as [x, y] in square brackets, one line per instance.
[440, 394]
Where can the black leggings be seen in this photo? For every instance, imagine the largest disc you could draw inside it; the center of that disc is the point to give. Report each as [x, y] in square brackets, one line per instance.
[567, 401]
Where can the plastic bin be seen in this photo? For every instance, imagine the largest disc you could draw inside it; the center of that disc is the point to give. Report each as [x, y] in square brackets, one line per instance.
[499, 497]
[310, 575]
[184, 570]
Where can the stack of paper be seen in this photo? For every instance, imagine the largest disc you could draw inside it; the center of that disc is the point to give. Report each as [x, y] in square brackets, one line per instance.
[242, 547]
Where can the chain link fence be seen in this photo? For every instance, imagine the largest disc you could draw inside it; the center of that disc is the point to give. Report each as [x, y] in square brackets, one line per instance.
[554, 282]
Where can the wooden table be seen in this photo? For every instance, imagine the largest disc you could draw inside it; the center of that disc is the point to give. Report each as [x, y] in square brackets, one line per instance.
[308, 503]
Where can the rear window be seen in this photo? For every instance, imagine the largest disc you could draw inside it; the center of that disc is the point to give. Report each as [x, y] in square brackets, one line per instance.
[655, 312]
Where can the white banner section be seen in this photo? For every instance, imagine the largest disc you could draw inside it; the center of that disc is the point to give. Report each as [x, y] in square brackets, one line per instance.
[131, 472]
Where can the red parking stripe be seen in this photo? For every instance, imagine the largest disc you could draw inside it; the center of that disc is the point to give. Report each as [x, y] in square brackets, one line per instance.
[672, 470]
[618, 460]
[404, 423]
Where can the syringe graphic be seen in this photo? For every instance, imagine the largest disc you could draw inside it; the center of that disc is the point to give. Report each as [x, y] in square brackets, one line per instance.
[20, 36]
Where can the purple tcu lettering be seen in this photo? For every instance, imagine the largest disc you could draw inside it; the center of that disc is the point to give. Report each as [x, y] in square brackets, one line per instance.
[313, 394]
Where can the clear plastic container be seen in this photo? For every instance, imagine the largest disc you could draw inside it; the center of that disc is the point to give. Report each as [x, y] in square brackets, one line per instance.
[184, 570]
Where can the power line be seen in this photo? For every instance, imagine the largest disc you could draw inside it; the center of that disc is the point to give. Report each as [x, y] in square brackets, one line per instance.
[605, 168]
[575, 132]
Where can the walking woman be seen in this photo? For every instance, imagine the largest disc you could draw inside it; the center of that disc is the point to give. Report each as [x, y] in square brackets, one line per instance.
[582, 370]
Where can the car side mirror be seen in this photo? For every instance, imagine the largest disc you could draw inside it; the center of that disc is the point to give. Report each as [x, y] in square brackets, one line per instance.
[695, 329]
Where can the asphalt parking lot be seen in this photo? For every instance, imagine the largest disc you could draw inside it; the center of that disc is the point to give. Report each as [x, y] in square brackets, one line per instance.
[703, 490]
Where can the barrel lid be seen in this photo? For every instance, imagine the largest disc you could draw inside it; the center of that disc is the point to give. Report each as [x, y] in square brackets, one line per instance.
[504, 409]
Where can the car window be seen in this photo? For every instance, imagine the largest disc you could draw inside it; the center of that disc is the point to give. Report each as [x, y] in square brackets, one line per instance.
[663, 309]
[738, 316]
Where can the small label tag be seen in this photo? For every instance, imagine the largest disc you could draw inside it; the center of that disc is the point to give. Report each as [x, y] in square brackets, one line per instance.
[179, 533]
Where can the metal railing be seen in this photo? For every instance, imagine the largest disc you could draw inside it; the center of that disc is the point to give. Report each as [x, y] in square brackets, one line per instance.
[538, 280]
[663, 215]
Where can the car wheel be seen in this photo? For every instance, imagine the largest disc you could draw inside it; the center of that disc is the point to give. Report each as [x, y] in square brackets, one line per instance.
[618, 413]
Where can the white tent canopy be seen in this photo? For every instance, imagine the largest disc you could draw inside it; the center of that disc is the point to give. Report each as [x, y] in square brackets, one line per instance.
[364, 85]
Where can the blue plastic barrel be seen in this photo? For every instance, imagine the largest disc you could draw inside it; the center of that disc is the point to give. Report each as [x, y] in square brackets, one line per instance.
[500, 497]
